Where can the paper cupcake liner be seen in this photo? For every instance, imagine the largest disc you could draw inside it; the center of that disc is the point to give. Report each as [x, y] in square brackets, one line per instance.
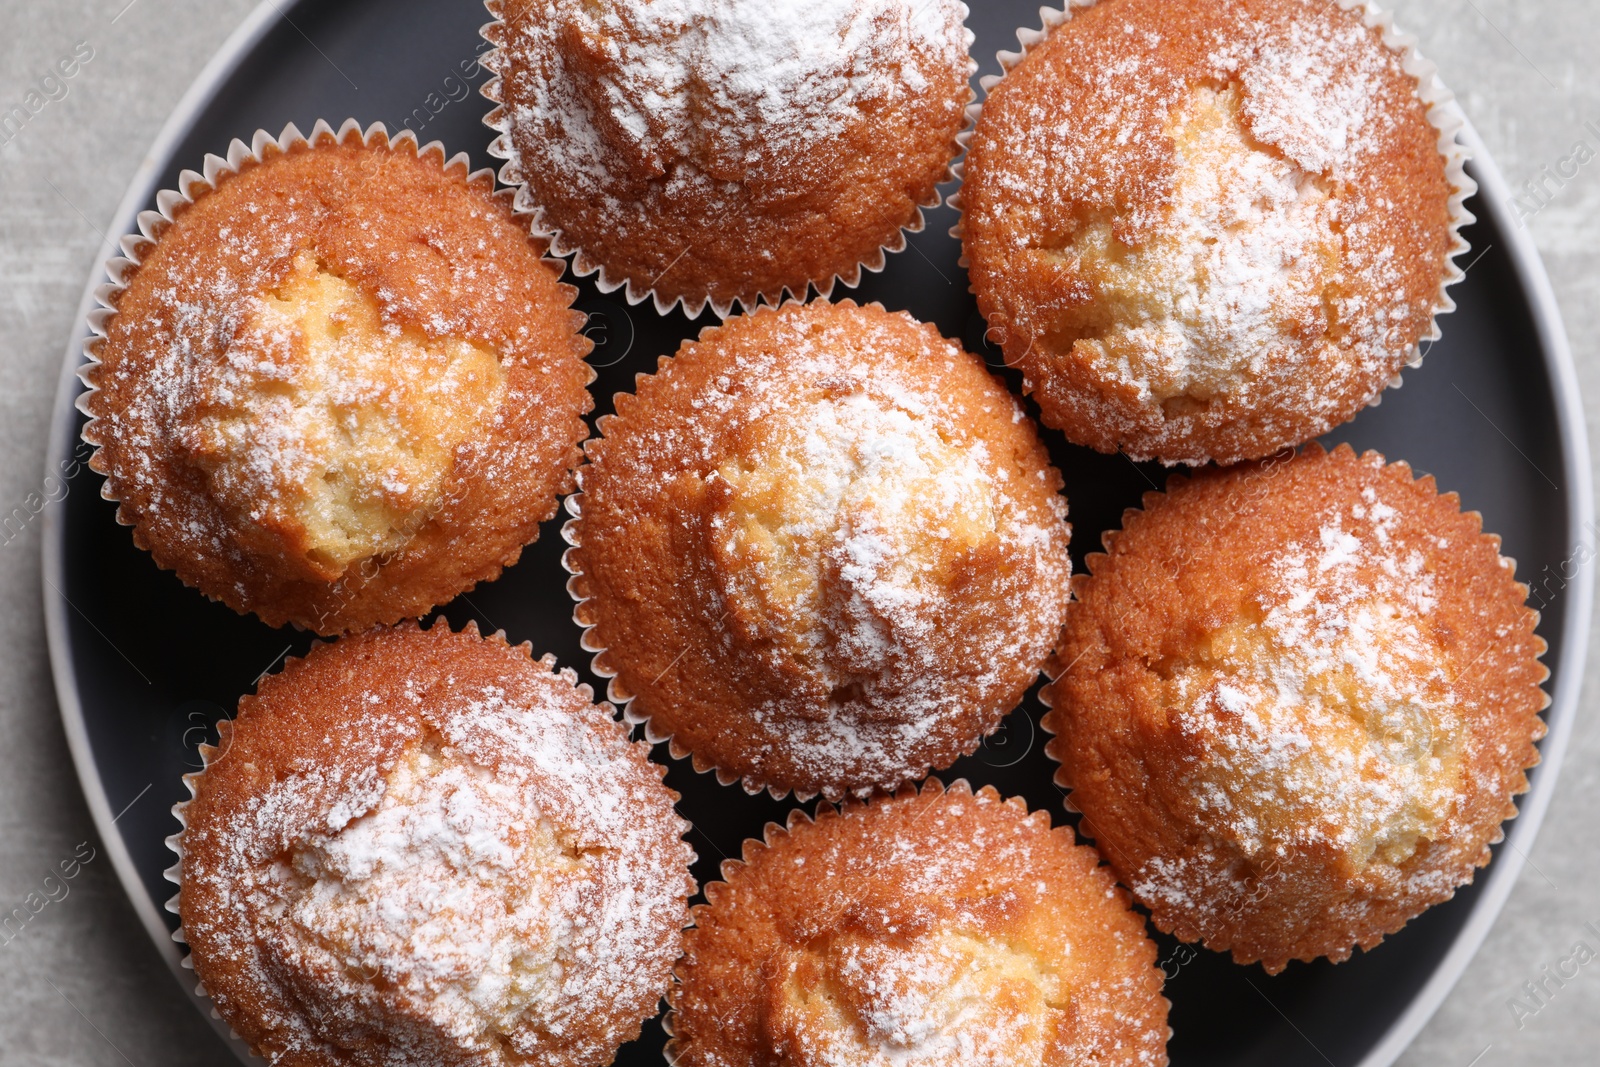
[773, 833]
[584, 266]
[212, 754]
[192, 185]
[1444, 114]
[209, 754]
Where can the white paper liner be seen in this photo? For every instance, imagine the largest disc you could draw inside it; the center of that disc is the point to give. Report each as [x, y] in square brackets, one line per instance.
[210, 754]
[1444, 114]
[773, 833]
[584, 266]
[217, 169]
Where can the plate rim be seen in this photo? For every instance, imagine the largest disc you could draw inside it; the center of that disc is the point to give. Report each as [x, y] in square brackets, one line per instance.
[63, 420]
[1497, 884]
[1555, 351]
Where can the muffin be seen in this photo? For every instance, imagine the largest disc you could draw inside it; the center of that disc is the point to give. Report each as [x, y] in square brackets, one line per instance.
[822, 550]
[1210, 230]
[418, 846]
[921, 930]
[722, 151]
[1294, 703]
[337, 384]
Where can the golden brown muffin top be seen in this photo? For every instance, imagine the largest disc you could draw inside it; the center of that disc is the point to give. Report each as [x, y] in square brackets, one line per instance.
[1294, 702]
[1208, 229]
[923, 929]
[724, 150]
[822, 549]
[424, 846]
[340, 387]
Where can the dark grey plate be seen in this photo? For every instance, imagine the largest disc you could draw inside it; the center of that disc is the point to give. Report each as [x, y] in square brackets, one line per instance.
[144, 667]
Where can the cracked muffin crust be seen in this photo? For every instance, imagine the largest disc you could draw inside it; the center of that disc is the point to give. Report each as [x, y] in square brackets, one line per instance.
[723, 151]
[1210, 229]
[422, 846]
[822, 549]
[1294, 703]
[931, 929]
[341, 386]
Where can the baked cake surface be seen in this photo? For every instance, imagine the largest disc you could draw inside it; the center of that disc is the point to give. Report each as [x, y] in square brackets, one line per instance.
[822, 549]
[723, 150]
[341, 387]
[1208, 229]
[930, 929]
[422, 846]
[1294, 703]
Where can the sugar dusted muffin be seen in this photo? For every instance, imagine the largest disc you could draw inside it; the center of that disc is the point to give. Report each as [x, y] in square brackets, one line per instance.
[1294, 703]
[416, 846]
[1210, 230]
[725, 150]
[822, 549]
[932, 929]
[341, 385]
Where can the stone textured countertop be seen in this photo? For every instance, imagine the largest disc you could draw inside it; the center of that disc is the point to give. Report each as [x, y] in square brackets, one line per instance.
[82, 986]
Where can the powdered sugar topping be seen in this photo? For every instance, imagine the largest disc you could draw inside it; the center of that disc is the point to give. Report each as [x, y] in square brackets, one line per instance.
[1226, 285]
[862, 497]
[512, 872]
[863, 534]
[1329, 724]
[1311, 92]
[917, 941]
[1217, 212]
[714, 90]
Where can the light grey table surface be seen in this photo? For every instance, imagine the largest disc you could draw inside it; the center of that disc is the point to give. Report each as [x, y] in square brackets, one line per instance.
[82, 986]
